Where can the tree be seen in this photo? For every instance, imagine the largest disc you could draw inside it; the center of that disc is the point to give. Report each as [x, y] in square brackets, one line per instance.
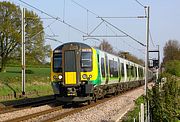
[10, 34]
[105, 46]
[173, 67]
[130, 57]
[171, 51]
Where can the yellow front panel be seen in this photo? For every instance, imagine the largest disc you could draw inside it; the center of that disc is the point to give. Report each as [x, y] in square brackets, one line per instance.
[70, 78]
[94, 71]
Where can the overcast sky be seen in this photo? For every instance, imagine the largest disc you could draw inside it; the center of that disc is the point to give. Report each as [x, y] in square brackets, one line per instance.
[164, 21]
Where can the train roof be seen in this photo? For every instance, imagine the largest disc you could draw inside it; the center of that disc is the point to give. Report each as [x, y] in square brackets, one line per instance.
[118, 57]
[82, 45]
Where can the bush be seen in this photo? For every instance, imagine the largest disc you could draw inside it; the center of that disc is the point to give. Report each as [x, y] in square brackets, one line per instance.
[164, 100]
[173, 67]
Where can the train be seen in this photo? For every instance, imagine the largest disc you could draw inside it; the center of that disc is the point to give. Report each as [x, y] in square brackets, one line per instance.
[81, 73]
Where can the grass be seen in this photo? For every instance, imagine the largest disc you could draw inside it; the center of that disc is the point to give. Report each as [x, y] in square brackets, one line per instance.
[16, 72]
[37, 79]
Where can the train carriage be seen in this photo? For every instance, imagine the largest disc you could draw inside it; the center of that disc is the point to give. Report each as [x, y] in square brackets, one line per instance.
[82, 73]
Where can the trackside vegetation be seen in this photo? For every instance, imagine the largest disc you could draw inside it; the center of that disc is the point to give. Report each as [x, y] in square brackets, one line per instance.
[164, 99]
[134, 114]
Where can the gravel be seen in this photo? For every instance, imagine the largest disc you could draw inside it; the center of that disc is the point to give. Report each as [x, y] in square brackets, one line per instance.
[108, 111]
[24, 112]
[49, 115]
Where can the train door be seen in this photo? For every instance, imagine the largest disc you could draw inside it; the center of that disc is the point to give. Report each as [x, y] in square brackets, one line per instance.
[103, 73]
[107, 69]
[71, 65]
[119, 69]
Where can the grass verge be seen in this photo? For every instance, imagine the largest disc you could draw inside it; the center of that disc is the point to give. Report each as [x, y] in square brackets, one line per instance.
[37, 79]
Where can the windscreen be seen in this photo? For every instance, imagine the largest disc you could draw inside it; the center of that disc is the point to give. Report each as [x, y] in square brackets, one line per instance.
[70, 61]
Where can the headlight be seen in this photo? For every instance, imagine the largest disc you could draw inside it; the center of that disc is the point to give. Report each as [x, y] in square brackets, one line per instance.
[84, 76]
[90, 76]
[60, 77]
[54, 76]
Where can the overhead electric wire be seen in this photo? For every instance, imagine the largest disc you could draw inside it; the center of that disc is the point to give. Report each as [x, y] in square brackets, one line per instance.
[64, 11]
[140, 3]
[57, 18]
[111, 29]
[109, 24]
[43, 29]
[124, 17]
[124, 33]
[87, 22]
[151, 38]
[51, 31]
[95, 27]
[84, 7]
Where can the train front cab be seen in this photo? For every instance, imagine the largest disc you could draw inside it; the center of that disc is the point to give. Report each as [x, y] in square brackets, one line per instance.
[77, 72]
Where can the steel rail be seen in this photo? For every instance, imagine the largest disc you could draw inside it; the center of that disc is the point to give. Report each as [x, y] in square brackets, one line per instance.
[30, 116]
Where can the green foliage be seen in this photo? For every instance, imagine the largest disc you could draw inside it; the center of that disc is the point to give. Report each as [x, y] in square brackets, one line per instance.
[10, 35]
[173, 67]
[171, 51]
[164, 100]
[135, 112]
[105, 46]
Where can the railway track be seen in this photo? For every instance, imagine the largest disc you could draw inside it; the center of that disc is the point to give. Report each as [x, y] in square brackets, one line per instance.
[30, 116]
[68, 110]
[59, 112]
[28, 104]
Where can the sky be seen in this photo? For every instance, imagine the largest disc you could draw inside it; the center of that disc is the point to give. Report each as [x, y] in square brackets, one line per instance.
[164, 22]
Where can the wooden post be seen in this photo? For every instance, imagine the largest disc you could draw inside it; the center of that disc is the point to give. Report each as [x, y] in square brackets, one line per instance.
[142, 112]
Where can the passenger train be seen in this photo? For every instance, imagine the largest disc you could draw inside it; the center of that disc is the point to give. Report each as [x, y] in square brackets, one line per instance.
[82, 73]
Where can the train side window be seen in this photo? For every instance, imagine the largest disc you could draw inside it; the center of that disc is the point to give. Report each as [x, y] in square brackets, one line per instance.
[127, 70]
[122, 69]
[107, 67]
[140, 70]
[119, 68]
[111, 67]
[102, 67]
[98, 57]
[132, 71]
[115, 72]
[135, 71]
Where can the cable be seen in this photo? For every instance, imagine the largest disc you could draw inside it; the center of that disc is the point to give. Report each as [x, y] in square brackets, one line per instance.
[124, 33]
[84, 7]
[140, 3]
[111, 29]
[53, 39]
[43, 29]
[64, 11]
[137, 17]
[95, 27]
[108, 23]
[52, 31]
[151, 38]
[57, 18]
[133, 47]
